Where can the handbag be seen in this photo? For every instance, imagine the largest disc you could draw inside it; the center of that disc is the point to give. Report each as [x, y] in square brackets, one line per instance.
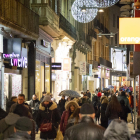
[45, 127]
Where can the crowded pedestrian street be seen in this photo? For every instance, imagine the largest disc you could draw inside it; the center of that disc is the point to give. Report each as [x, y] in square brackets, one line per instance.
[69, 70]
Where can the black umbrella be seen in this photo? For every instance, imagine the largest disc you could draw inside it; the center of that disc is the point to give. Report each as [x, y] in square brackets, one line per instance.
[70, 93]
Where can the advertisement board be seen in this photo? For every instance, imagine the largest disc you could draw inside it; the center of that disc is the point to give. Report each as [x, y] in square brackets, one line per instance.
[82, 68]
[67, 64]
[129, 31]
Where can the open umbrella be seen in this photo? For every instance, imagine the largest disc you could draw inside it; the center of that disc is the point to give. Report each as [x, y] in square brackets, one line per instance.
[70, 93]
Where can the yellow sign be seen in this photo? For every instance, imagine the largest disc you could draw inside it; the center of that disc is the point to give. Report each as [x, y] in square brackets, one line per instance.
[129, 31]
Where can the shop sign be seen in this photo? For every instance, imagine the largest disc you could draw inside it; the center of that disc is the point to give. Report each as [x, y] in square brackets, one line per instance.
[129, 31]
[15, 60]
[90, 69]
[67, 64]
[56, 66]
[44, 43]
[82, 68]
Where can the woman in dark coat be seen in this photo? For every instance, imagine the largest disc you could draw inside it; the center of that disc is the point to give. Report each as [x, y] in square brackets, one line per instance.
[71, 106]
[104, 119]
[48, 113]
[113, 110]
[125, 111]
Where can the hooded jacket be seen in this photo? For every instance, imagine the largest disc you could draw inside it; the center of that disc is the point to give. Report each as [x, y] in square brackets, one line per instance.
[48, 114]
[117, 130]
[85, 130]
[7, 124]
[66, 115]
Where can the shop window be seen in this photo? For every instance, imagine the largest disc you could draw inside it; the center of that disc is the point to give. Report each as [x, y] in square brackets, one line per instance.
[47, 78]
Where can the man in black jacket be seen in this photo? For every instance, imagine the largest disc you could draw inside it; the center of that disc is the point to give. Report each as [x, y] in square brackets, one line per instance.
[61, 105]
[86, 129]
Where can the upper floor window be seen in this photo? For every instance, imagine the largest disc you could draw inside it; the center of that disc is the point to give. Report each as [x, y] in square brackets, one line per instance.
[117, 21]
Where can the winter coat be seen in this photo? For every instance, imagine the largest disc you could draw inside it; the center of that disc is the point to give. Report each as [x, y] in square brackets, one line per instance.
[34, 104]
[15, 104]
[61, 105]
[89, 95]
[104, 118]
[131, 101]
[19, 135]
[125, 100]
[125, 111]
[117, 130]
[3, 114]
[66, 114]
[7, 124]
[46, 114]
[8, 106]
[135, 136]
[84, 100]
[85, 130]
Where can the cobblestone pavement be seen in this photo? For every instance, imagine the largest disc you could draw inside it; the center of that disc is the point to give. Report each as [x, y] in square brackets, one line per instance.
[130, 127]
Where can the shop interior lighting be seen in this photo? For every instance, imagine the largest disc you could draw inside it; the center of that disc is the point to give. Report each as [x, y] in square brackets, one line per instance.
[84, 11]
[111, 35]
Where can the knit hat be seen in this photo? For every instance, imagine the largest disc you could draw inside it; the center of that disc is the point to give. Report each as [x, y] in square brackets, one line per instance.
[47, 98]
[87, 109]
[24, 124]
[99, 94]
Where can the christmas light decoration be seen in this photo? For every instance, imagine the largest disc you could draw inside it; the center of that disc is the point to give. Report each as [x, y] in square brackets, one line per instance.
[106, 3]
[84, 11]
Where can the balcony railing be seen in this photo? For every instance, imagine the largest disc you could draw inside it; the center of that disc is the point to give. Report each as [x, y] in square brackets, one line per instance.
[16, 15]
[92, 33]
[47, 15]
[67, 27]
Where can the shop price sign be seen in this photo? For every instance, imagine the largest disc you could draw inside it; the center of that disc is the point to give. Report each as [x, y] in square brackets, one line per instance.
[15, 60]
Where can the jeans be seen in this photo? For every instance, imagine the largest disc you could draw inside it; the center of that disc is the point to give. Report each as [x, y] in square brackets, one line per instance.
[36, 128]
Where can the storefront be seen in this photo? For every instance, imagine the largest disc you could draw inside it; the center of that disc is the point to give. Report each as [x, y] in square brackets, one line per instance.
[15, 60]
[43, 67]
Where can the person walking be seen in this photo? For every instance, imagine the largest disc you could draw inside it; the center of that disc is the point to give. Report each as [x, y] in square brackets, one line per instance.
[34, 104]
[10, 103]
[84, 99]
[113, 109]
[136, 136]
[71, 106]
[48, 119]
[88, 94]
[21, 100]
[131, 103]
[86, 129]
[125, 111]
[104, 119]
[7, 124]
[74, 119]
[117, 130]
[43, 95]
[61, 105]
[22, 129]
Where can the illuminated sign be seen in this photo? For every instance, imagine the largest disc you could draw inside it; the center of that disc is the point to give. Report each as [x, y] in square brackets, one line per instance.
[15, 60]
[56, 66]
[44, 43]
[67, 64]
[129, 31]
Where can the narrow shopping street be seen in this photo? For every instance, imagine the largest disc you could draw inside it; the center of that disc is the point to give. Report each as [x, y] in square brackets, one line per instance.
[69, 70]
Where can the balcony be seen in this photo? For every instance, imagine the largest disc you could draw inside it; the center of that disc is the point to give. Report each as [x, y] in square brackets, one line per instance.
[16, 16]
[49, 20]
[67, 27]
[92, 33]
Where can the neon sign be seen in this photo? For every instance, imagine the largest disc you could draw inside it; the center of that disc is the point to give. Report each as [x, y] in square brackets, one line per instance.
[15, 60]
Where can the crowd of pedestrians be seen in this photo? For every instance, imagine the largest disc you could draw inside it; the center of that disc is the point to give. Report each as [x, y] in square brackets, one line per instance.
[99, 116]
